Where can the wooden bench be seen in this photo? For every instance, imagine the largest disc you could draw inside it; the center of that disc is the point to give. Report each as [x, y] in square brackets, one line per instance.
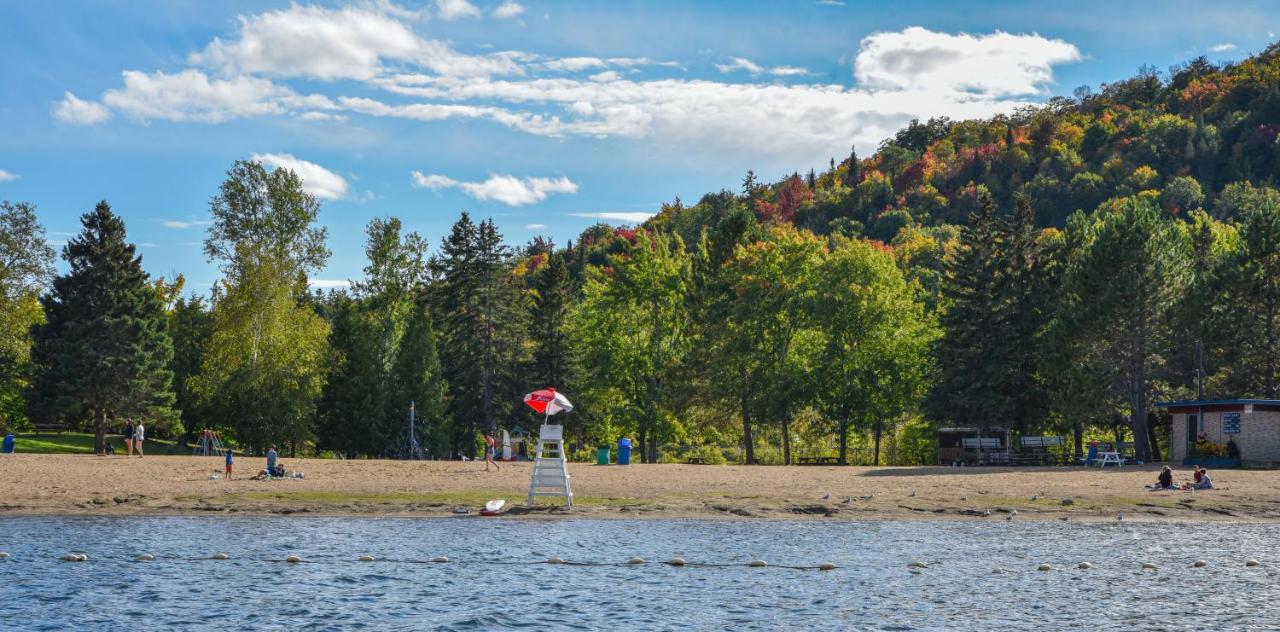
[986, 450]
[1035, 450]
[49, 428]
[818, 460]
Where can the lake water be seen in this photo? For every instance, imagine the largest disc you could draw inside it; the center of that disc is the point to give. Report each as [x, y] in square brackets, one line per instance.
[495, 581]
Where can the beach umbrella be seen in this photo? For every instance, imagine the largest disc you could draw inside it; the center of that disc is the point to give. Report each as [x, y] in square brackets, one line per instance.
[548, 402]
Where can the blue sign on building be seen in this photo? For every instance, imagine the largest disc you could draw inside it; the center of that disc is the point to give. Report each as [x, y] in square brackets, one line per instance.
[1231, 423]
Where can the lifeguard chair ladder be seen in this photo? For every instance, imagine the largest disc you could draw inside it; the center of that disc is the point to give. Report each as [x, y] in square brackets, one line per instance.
[550, 469]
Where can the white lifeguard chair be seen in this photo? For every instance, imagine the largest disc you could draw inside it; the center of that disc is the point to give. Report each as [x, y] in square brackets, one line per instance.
[550, 467]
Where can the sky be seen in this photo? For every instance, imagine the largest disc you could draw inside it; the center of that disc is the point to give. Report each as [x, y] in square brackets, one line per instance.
[545, 116]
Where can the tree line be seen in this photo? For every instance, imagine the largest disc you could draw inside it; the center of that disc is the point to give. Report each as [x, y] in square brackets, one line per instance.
[1049, 271]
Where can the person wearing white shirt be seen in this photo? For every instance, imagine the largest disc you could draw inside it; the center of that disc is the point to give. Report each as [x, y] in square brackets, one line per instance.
[139, 434]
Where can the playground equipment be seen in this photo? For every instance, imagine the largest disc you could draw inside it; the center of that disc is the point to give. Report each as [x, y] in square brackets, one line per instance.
[408, 449]
[209, 444]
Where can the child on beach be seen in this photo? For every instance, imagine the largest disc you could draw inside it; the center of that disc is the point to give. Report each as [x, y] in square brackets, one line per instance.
[229, 464]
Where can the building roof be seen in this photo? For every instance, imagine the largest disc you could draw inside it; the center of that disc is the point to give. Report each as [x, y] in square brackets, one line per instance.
[1192, 403]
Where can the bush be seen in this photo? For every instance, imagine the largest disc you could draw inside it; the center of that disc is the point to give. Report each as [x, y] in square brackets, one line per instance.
[917, 444]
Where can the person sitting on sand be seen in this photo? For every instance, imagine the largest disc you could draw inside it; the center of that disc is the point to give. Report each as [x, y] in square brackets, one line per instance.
[1202, 479]
[1165, 480]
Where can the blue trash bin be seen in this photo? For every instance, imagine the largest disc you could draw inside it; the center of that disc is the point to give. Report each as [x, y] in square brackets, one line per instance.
[8, 444]
[624, 451]
[1092, 455]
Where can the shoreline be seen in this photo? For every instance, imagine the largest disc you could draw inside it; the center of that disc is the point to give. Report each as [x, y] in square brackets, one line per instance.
[84, 485]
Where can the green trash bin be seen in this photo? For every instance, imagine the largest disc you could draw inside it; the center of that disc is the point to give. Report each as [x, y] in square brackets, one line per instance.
[602, 455]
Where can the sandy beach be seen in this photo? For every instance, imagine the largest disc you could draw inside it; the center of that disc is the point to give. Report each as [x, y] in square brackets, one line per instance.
[176, 485]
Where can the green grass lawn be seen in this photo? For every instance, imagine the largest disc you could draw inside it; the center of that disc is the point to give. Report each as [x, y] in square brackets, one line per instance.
[82, 443]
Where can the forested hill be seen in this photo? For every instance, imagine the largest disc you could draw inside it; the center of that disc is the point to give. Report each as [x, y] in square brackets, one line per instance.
[1190, 137]
[1054, 271]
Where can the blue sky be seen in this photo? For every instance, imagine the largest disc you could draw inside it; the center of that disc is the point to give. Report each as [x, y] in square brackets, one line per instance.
[546, 116]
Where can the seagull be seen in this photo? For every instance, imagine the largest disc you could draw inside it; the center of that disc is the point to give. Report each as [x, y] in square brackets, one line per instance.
[1035, 498]
[913, 493]
[1011, 515]
[847, 500]
[826, 496]
[868, 497]
[1120, 516]
[986, 513]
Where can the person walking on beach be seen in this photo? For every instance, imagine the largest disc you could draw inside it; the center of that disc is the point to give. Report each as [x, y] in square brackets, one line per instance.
[128, 438]
[271, 461]
[490, 447]
[229, 464]
[139, 435]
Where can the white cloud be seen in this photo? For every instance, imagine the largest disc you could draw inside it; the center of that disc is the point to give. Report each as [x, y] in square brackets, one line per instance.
[1223, 48]
[630, 218]
[913, 73]
[831, 3]
[316, 180]
[321, 116]
[433, 181]
[507, 10]
[147, 244]
[74, 110]
[183, 224]
[454, 9]
[629, 62]
[535, 226]
[5, 176]
[794, 121]
[787, 71]
[506, 189]
[573, 64]
[997, 65]
[191, 95]
[740, 63]
[330, 44]
[328, 284]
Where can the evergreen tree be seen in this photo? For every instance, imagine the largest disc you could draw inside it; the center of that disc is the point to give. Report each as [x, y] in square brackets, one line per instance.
[480, 323]
[417, 377]
[1025, 313]
[551, 298]
[853, 176]
[1120, 300]
[989, 354]
[348, 415]
[104, 349]
[961, 394]
[1249, 282]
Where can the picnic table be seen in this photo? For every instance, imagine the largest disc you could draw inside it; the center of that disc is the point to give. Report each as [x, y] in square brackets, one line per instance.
[1109, 457]
[818, 460]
